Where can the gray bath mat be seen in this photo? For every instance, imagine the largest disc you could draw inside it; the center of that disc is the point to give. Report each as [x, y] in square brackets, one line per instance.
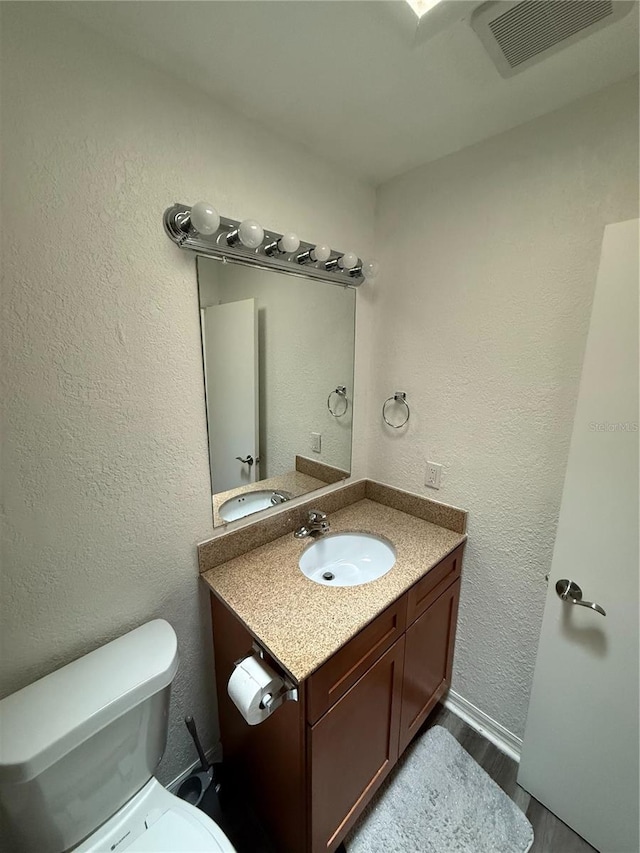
[438, 800]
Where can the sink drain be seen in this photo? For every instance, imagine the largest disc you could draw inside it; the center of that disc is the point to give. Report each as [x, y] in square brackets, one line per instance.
[329, 576]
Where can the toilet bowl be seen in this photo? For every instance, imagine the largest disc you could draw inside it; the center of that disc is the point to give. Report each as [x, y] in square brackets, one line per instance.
[79, 749]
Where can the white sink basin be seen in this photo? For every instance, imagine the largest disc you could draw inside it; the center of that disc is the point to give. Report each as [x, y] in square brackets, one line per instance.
[251, 502]
[347, 559]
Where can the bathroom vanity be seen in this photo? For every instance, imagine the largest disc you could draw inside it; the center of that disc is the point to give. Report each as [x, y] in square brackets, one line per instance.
[368, 663]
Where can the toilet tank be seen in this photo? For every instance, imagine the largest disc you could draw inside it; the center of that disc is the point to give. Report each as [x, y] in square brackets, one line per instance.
[76, 745]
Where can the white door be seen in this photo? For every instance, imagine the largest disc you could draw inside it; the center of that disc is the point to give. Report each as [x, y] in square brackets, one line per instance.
[580, 751]
[230, 347]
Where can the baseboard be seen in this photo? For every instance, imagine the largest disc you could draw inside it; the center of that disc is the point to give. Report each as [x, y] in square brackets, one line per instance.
[213, 756]
[485, 725]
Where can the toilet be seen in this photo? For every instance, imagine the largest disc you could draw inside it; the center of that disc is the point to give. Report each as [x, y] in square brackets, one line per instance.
[78, 750]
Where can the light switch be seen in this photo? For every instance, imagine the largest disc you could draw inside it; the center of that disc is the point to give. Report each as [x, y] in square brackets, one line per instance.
[316, 441]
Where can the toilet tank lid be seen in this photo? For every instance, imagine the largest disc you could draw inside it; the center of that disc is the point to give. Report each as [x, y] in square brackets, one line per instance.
[44, 721]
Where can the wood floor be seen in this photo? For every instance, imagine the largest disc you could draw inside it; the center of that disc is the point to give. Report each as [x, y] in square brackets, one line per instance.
[247, 835]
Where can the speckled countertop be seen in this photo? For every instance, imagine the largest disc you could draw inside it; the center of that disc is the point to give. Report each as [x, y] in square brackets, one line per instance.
[302, 623]
[294, 482]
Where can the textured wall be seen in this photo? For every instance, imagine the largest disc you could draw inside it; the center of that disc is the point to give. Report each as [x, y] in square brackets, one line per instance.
[306, 343]
[481, 315]
[106, 483]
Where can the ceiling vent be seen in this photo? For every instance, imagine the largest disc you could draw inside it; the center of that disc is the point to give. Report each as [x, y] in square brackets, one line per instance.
[519, 34]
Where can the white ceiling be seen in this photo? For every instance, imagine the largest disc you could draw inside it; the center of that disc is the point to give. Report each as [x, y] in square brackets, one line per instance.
[350, 79]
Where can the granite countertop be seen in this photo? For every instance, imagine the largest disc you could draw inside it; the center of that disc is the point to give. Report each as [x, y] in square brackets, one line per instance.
[294, 482]
[302, 623]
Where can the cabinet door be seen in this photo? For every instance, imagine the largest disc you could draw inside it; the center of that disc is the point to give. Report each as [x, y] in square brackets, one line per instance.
[428, 661]
[352, 748]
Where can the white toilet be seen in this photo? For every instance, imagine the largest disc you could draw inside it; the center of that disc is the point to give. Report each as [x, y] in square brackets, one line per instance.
[78, 750]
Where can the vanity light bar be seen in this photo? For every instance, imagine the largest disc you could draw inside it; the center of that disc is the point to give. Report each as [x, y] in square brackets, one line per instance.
[201, 229]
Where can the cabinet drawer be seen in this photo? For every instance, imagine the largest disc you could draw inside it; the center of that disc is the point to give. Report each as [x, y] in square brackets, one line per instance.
[424, 593]
[344, 668]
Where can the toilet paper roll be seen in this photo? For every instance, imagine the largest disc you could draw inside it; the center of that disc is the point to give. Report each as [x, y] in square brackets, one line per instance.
[251, 687]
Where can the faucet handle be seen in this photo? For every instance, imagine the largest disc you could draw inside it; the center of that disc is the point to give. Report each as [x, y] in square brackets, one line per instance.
[316, 515]
[316, 523]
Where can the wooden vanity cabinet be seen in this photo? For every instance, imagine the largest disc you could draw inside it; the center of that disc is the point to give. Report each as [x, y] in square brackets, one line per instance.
[313, 766]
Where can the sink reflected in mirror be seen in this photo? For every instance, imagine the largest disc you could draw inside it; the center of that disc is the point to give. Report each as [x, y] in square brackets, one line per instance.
[250, 502]
[347, 559]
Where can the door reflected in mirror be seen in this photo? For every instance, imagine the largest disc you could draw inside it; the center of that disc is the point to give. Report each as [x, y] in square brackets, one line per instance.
[278, 355]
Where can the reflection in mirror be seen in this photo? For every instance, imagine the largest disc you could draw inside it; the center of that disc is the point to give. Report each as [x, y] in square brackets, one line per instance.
[278, 354]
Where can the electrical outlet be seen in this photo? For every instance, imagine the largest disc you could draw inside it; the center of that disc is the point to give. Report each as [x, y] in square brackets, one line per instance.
[432, 475]
[316, 441]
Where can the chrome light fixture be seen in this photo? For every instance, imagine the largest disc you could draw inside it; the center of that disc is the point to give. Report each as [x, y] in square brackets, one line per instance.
[201, 229]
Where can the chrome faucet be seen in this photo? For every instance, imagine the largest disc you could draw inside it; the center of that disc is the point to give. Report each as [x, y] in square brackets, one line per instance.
[316, 525]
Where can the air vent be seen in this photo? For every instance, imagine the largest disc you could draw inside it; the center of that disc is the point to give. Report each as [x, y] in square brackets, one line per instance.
[519, 34]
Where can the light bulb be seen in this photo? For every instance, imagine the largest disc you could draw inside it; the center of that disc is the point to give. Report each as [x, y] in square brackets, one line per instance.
[348, 261]
[321, 252]
[289, 242]
[251, 233]
[370, 269]
[205, 218]
[421, 7]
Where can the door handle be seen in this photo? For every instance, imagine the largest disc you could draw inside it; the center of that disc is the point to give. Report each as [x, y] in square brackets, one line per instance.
[248, 461]
[570, 592]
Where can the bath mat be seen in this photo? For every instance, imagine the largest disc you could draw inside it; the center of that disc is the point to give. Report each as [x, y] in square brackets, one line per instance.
[438, 800]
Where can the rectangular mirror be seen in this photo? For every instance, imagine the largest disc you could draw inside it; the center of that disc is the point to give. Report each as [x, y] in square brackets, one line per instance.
[278, 355]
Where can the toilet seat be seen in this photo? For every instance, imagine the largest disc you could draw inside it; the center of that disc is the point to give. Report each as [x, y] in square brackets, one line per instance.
[176, 831]
[156, 821]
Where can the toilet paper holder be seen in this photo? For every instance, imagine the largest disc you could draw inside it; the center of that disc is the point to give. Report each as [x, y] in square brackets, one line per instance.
[287, 693]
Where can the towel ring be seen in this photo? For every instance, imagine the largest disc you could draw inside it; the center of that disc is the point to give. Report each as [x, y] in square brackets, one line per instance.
[396, 397]
[341, 391]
